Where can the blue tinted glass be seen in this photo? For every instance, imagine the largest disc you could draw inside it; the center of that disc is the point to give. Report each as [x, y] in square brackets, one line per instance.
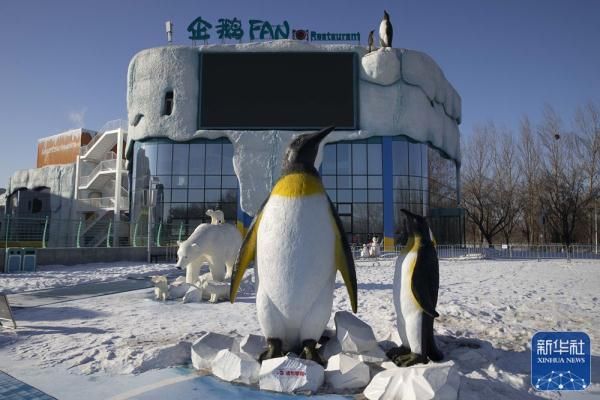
[344, 209]
[375, 159]
[164, 159]
[213, 158]
[359, 182]
[414, 157]
[344, 182]
[180, 158]
[229, 195]
[400, 157]
[213, 195]
[344, 196]
[230, 181]
[146, 159]
[359, 159]
[180, 181]
[197, 159]
[196, 196]
[228, 159]
[212, 181]
[329, 181]
[179, 195]
[359, 196]
[344, 157]
[332, 195]
[165, 181]
[375, 196]
[329, 162]
[197, 181]
[375, 182]
[376, 218]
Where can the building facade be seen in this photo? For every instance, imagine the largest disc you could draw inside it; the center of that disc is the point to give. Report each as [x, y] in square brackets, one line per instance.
[208, 128]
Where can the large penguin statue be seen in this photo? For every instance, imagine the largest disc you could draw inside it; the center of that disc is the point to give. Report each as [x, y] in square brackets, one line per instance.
[298, 242]
[416, 285]
[386, 31]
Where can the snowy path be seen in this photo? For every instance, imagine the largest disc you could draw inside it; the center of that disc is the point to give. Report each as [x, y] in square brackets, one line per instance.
[497, 305]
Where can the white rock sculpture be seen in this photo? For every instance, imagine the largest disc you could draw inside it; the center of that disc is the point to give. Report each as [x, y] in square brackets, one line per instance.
[419, 382]
[205, 349]
[216, 245]
[331, 348]
[216, 217]
[161, 287]
[354, 335]
[344, 372]
[375, 355]
[253, 345]
[375, 248]
[364, 253]
[291, 375]
[235, 367]
[215, 291]
[381, 66]
[178, 290]
[193, 295]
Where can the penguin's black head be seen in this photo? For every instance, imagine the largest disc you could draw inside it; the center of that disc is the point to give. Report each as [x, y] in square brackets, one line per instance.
[386, 16]
[417, 225]
[302, 152]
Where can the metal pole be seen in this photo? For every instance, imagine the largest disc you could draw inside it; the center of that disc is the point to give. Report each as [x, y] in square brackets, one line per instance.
[149, 226]
[158, 234]
[108, 233]
[79, 233]
[45, 232]
[135, 228]
[596, 227]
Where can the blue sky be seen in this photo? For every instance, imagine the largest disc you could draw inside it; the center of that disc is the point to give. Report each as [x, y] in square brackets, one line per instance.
[63, 64]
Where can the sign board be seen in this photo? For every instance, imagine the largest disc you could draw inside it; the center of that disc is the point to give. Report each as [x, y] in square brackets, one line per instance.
[62, 148]
[5, 311]
[257, 29]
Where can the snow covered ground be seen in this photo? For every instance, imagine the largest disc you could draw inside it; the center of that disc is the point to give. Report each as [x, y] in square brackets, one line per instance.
[53, 276]
[497, 305]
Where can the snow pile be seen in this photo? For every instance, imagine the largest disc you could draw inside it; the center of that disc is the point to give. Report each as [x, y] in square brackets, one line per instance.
[354, 335]
[205, 349]
[419, 382]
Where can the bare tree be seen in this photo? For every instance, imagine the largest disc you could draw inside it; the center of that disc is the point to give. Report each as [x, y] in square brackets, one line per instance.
[563, 190]
[506, 177]
[529, 156]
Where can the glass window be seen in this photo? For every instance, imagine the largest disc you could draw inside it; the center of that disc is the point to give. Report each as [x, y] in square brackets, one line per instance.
[344, 208]
[213, 181]
[229, 182]
[180, 158]
[213, 195]
[344, 196]
[359, 196]
[332, 195]
[329, 161]
[227, 159]
[400, 157]
[196, 159]
[344, 152]
[213, 158]
[165, 181]
[359, 158]
[375, 182]
[329, 181]
[375, 161]
[179, 195]
[180, 181]
[229, 195]
[164, 159]
[196, 195]
[344, 182]
[375, 196]
[376, 218]
[196, 181]
[359, 182]
[414, 159]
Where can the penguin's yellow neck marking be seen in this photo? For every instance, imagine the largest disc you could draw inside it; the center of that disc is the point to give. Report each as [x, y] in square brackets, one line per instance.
[415, 243]
[298, 184]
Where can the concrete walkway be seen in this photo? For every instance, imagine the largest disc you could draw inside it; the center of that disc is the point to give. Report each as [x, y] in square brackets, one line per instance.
[46, 297]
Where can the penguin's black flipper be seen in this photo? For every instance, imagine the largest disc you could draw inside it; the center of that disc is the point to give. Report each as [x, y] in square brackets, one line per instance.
[426, 280]
[344, 261]
[246, 255]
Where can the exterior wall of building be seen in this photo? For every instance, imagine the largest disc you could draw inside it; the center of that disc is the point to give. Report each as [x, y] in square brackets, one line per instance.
[62, 148]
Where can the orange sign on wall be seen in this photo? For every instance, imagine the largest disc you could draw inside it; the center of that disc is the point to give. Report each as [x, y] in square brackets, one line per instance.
[62, 148]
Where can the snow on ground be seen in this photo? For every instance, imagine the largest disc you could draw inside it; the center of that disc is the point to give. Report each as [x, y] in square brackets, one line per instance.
[489, 312]
[53, 276]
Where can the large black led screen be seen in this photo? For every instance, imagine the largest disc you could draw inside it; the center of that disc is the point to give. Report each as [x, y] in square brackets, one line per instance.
[278, 90]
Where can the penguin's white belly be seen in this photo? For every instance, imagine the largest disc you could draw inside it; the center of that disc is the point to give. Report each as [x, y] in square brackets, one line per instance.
[295, 266]
[408, 312]
[382, 34]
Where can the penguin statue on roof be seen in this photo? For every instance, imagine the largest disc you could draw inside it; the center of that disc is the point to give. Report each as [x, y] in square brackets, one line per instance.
[370, 41]
[416, 285]
[296, 278]
[386, 32]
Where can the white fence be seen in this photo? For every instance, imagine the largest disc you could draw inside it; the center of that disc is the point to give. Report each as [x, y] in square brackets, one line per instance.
[512, 252]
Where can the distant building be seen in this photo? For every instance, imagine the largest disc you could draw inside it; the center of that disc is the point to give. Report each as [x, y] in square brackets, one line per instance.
[78, 184]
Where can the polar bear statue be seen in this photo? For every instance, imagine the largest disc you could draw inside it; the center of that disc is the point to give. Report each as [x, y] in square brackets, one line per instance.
[375, 250]
[216, 217]
[364, 253]
[215, 244]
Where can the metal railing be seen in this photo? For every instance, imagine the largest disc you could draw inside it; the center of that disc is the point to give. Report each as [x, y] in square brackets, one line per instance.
[103, 203]
[103, 231]
[107, 127]
[103, 166]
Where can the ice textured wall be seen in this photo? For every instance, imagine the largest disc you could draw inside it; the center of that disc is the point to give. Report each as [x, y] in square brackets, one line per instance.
[60, 179]
[401, 92]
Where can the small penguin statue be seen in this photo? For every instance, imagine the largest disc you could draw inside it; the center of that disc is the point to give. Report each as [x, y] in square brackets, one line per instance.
[386, 32]
[364, 253]
[416, 285]
[297, 276]
[370, 41]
